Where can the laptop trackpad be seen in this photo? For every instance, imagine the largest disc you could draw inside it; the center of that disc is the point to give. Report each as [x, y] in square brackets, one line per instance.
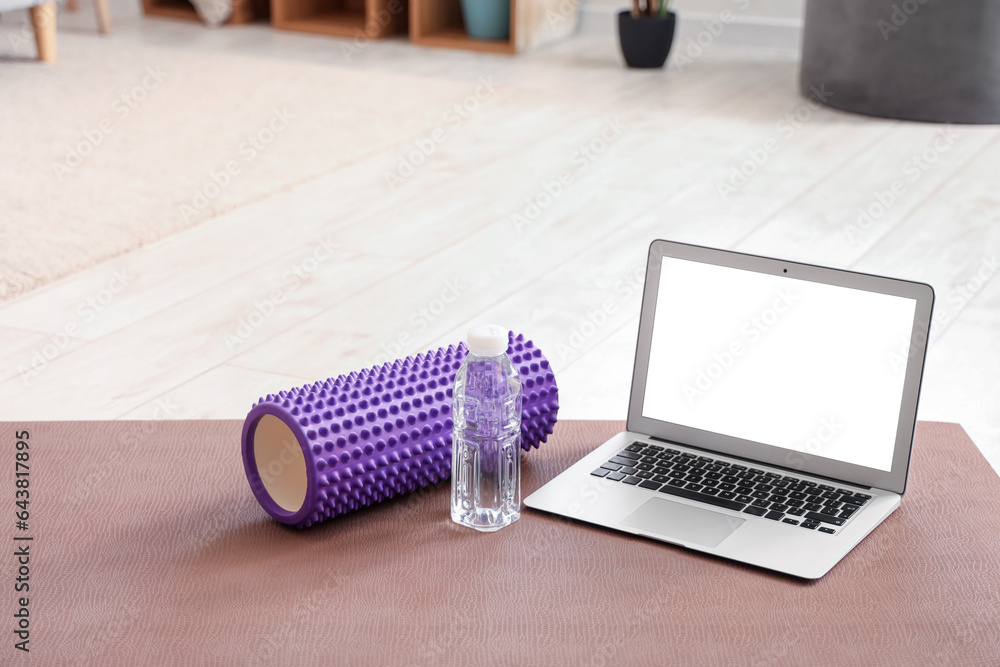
[677, 522]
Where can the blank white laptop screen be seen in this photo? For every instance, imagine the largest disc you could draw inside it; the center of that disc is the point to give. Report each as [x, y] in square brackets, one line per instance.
[789, 363]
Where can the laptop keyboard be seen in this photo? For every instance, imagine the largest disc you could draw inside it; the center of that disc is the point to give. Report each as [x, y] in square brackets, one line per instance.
[741, 488]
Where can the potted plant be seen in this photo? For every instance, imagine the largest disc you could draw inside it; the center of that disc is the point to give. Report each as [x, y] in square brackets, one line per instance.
[646, 32]
[486, 19]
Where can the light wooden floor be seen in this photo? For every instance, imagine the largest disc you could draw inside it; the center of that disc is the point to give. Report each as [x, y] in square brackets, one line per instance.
[181, 338]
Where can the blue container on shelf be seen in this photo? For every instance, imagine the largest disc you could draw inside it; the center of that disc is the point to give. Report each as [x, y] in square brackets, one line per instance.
[487, 19]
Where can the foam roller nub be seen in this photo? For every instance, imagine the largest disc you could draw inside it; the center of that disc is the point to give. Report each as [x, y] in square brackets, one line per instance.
[323, 449]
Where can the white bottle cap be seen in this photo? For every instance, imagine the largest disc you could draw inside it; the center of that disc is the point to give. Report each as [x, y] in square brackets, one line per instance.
[487, 340]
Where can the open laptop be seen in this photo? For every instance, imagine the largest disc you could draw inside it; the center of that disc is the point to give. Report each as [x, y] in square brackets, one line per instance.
[772, 411]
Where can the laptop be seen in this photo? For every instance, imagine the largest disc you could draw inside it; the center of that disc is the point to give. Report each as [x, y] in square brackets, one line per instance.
[771, 415]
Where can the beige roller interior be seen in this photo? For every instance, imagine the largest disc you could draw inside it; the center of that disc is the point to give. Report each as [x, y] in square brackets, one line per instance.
[280, 463]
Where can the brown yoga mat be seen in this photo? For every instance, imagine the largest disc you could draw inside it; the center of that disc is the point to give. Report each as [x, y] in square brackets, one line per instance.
[150, 548]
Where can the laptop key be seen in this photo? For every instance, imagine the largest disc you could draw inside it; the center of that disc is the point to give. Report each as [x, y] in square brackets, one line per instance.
[611, 466]
[635, 447]
[649, 484]
[758, 502]
[622, 461]
[662, 479]
[811, 525]
[629, 471]
[741, 498]
[824, 529]
[644, 474]
[692, 486]
[825, 518]
[726, 487]
[676, 482]
[616, 476]
[794, 522]
[644, 466]
[727, 494]
[710, 490]
[774, 516]
[813, 507]
[694, 495]
[600, 472]
[631, 480]
[796, 511]
[778, 507]
[756, 511]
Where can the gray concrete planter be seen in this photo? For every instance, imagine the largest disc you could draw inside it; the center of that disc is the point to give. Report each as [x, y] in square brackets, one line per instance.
[926, 60]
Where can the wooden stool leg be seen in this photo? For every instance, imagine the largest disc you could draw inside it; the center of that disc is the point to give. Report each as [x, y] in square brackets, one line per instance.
[103, 16]
[43, 18]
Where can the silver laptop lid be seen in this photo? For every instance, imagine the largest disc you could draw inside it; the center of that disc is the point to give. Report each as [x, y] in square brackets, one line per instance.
[803, 367]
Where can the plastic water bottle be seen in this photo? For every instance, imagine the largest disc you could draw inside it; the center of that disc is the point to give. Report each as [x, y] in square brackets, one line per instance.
[486, 444]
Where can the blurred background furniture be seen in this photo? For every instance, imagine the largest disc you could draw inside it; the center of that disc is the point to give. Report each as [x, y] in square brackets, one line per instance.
[103, 13]
[925, 60]
[244, 11]
[43, 21]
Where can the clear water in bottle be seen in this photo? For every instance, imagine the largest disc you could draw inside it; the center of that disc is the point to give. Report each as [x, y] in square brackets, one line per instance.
[486, 443]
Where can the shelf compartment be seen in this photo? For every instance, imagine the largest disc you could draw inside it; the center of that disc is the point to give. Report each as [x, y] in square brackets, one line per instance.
[373, 19]
[532, 24]
[244, 11]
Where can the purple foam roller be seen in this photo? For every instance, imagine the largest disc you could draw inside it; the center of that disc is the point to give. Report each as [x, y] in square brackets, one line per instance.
[323, 449]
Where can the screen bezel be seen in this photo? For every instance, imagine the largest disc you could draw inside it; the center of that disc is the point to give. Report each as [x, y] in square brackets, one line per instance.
[923, 294]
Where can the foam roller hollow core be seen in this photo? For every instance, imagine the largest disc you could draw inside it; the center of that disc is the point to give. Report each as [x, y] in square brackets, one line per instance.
[323, 449]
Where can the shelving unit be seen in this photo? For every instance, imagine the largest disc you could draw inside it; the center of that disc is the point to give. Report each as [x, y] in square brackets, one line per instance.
[244, 11]
[341, 18]
[435, 23]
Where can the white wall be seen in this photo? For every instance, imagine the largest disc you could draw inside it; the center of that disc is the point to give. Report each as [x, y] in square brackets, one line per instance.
[771, 11]
[767, 23]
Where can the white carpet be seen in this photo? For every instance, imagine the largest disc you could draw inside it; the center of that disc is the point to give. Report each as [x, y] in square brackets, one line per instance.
[116, 145]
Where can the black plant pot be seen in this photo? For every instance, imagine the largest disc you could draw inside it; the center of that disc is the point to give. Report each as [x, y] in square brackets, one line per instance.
[646, 40]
